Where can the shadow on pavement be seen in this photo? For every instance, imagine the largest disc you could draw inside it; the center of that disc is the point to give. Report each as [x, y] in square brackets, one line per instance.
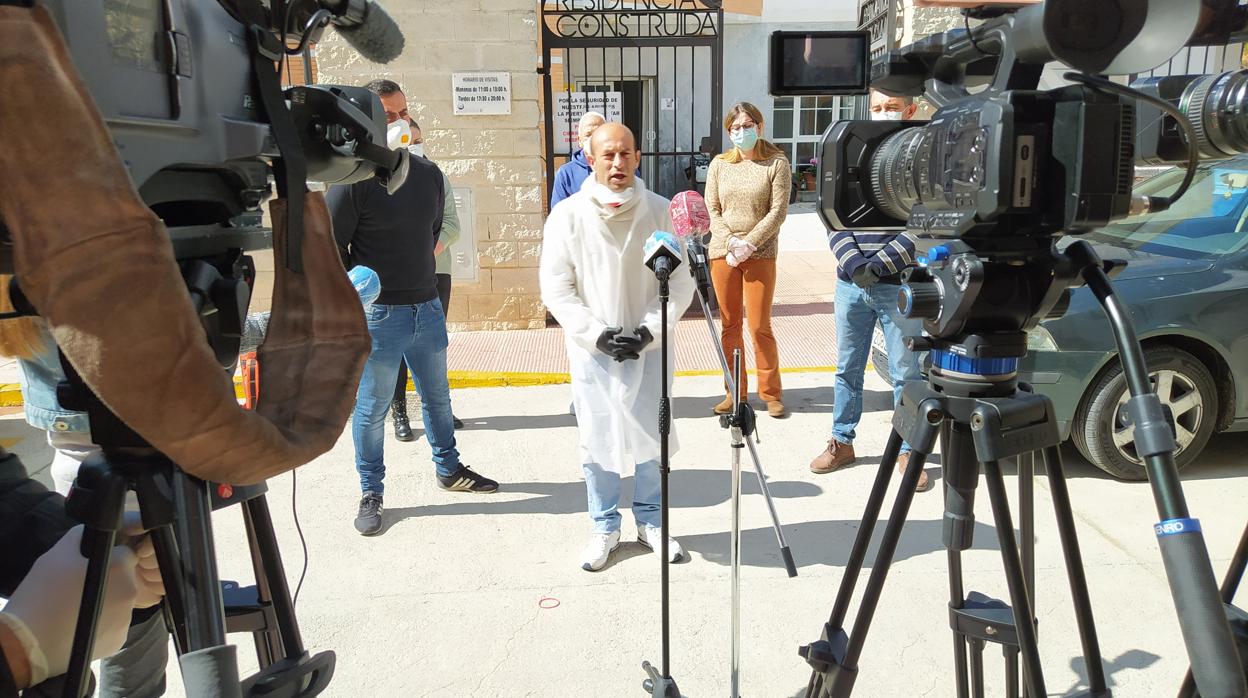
[691, 489]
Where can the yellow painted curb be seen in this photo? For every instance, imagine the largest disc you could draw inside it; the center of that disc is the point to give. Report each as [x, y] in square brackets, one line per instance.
[498, 379]
[11, 393]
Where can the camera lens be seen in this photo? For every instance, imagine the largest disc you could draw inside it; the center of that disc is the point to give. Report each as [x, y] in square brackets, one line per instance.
[894, 179]
[1217, 106]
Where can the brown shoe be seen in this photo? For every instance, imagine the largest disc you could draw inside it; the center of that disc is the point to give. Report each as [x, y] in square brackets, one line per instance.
[902, 461]
[775, 408]
[724, 407]
[833, 457]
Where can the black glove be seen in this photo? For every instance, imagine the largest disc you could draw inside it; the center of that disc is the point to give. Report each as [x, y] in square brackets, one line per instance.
[628, 347]
[643, 338]
[865, 276]
[615, 345]
[606, 339]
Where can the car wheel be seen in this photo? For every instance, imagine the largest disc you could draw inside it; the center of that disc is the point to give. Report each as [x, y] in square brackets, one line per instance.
[1103, 433]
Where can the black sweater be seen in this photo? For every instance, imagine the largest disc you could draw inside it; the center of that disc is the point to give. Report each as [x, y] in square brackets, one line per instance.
[394, 235]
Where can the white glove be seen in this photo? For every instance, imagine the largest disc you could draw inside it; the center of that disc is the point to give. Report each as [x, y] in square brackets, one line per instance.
[44, 608]
[738, 251]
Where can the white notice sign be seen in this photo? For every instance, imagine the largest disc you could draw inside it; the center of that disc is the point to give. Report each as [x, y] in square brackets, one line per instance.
[481, 93]
[572, 106]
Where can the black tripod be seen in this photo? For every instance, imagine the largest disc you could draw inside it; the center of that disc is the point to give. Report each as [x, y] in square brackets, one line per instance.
[973, 398]
[176, 507]
[982, 420]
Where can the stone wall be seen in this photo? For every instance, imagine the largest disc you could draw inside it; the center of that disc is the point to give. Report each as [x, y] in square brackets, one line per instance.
[920, 22]
[498, 157]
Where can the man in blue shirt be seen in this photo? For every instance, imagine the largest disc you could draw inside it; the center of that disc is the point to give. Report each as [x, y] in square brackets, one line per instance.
[868, 270]
[574, 172]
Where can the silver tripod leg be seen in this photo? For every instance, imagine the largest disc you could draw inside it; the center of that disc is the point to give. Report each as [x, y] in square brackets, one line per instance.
[758, 467]
[734, 547]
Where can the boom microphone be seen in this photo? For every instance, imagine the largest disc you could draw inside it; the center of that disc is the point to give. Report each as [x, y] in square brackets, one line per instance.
[662, 252]
[367, 27]
[692, 221]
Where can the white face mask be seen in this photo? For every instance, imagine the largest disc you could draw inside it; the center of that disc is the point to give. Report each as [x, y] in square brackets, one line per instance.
[886, 116]
[398, 134]
[608, 197]
[417, 149]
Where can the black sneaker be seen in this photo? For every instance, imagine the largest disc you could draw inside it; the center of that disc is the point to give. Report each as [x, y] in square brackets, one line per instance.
[464, 480]
[368, 521]
[456, 421]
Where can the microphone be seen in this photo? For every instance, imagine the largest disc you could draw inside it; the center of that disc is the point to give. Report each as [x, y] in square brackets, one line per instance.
[692, 221]
[662, 253]
[367, 27]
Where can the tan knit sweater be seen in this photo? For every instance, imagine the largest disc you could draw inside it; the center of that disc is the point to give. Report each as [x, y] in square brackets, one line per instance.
[749, 200]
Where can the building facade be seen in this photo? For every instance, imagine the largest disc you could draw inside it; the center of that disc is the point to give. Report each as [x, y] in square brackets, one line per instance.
[497, 86]
[494, 160]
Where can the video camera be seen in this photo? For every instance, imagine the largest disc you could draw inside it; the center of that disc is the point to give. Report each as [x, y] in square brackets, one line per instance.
[1003, 168]
[1013, 160]
[176, 83]
[1000, 172]
[190, 93]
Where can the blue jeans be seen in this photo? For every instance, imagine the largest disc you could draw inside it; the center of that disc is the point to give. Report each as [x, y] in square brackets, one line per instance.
[416, 333]
[854, 317]
[604, 496]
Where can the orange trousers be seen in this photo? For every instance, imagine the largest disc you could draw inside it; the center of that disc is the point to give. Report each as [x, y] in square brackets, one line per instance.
[750, 286]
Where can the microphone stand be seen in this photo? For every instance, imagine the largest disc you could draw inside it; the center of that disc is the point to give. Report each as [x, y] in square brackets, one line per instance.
[741, 425]
[698, 267]
[661, 685]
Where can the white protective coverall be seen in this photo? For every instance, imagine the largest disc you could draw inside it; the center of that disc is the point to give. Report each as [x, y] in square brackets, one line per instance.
[590, 282]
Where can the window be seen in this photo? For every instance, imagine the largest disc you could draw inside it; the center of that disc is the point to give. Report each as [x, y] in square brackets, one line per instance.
[1209, 221]
[798, 124]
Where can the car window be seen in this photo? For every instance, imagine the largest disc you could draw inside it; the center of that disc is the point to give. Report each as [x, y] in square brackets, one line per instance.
[1207, 221]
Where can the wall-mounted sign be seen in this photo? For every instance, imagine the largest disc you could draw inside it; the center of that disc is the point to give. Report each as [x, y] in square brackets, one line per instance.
[481, 93]
[572, 106]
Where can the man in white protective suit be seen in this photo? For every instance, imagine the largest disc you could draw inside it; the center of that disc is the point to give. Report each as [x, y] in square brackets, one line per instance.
[595, 282]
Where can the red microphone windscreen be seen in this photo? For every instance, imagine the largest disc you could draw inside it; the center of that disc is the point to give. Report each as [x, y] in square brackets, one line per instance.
[689, 214]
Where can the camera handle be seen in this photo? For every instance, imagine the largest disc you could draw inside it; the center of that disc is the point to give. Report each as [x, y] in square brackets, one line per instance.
[1202, 618]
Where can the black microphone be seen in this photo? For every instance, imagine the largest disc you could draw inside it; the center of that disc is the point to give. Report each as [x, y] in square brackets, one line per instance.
[367, 27]
[662, 253]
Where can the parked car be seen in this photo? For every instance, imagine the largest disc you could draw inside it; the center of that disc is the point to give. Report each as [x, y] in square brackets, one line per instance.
[1186, 284]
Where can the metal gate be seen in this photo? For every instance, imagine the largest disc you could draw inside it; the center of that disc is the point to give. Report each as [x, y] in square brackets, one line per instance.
[654, 65]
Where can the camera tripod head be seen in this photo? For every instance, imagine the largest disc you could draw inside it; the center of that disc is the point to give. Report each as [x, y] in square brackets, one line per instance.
[977, 309]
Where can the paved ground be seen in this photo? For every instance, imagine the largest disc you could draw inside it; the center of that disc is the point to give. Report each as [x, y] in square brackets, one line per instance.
[446, 601]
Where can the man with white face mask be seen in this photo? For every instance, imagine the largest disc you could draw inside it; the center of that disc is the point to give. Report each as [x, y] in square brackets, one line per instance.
[594, 281]
[868, 269]
[395, 235]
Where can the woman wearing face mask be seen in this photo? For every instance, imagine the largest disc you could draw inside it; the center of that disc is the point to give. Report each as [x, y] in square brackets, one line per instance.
[747, 192]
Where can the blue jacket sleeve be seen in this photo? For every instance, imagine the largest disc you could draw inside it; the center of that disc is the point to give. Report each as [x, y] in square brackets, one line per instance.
[562, 190]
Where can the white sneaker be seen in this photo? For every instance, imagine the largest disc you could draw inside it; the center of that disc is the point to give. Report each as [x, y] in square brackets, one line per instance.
[600, 547]
[650, 536]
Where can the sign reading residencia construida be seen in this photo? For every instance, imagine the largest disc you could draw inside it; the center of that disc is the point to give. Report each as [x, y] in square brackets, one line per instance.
[631, 18]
